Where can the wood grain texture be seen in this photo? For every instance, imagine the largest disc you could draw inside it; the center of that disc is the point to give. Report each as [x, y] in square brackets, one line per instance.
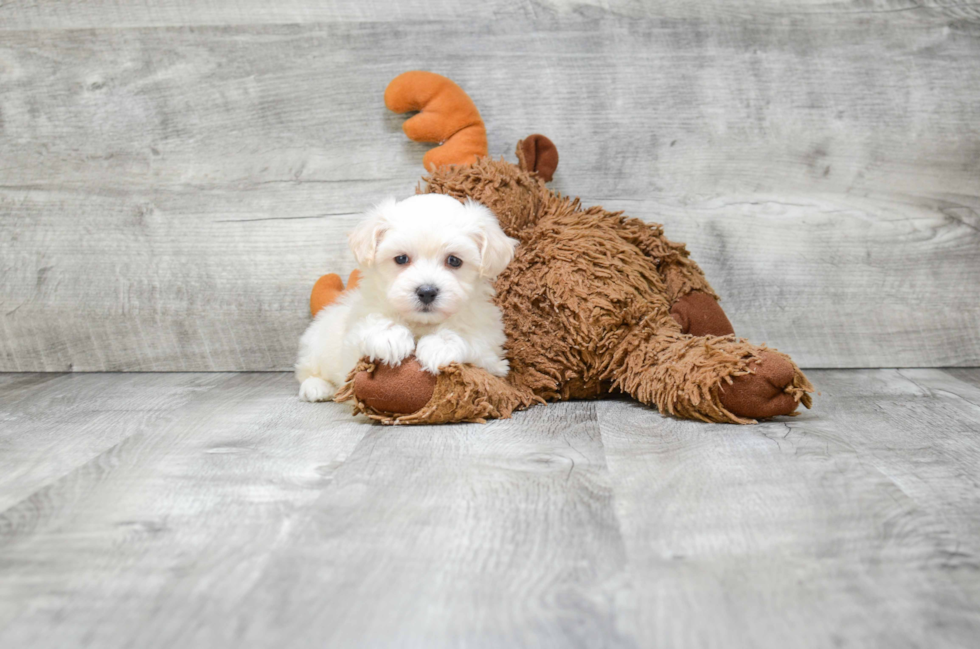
[479, 536]
[168, 195]
[54, 423]
[219, 510]
[178, 516]
[800, 532]
[96, 14]
[967, 375]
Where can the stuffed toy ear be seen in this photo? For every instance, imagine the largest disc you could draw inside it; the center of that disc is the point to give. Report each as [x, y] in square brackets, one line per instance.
[538, 154]
[447, 116]
[364, 239]
[496, 248]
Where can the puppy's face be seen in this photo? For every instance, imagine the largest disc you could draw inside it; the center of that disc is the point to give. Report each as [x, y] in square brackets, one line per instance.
[429, 252]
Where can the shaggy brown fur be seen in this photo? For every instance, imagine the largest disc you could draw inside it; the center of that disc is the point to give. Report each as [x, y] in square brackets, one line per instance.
[462, 393]
[587, 311]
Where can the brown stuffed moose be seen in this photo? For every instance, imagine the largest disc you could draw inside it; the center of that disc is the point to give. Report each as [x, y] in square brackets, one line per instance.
[593, 303]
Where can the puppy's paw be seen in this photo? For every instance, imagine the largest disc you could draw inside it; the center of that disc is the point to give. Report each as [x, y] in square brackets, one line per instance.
[391, 345]
[441, 349]
[497, 366]
[316, 389]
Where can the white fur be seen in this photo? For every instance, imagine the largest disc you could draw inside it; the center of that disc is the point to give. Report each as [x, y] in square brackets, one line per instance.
[384, 320]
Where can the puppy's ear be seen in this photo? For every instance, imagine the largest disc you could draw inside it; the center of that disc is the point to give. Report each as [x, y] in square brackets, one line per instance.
[496, 248]
[364, 239]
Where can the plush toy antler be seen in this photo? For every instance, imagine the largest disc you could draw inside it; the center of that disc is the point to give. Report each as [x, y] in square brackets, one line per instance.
[329, 287]
[447, 116]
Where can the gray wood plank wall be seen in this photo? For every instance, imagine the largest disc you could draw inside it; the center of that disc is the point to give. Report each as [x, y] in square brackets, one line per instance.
[174, 177]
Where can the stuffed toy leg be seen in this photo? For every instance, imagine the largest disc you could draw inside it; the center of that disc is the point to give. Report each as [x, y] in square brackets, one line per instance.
[707, 377]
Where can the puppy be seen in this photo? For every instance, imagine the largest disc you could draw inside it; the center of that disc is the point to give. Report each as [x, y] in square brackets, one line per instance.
[427, 266]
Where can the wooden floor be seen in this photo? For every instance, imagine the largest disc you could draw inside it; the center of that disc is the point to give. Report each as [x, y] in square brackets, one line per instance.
[210, 510]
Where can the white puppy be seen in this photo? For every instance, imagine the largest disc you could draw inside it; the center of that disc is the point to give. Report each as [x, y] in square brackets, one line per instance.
[427, 267]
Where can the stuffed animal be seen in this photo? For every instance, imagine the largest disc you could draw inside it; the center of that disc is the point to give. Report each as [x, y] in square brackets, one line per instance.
[593, 303]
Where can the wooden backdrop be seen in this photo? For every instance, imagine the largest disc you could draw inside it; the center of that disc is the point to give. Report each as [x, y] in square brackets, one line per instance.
[174, 175]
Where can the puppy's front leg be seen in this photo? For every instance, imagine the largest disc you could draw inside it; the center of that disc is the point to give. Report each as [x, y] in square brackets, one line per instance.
[383, 340]
[442, 348]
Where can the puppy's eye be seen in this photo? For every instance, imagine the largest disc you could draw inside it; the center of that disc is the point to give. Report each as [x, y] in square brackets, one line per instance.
[453, 261]
[401, 260]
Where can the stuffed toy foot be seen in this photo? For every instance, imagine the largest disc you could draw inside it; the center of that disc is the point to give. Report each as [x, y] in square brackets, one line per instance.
[710, 378]
[407, 394]
[401, 389]
[774, 387]
[699, 314]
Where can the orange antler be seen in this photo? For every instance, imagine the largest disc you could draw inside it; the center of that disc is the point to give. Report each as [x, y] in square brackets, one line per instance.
[447, 115]
[328, 288]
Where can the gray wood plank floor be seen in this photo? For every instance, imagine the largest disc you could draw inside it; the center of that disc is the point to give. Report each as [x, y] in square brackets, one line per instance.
[209, 510]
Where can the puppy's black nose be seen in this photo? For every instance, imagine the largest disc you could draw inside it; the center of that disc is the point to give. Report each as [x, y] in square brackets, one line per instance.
[427, 293]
